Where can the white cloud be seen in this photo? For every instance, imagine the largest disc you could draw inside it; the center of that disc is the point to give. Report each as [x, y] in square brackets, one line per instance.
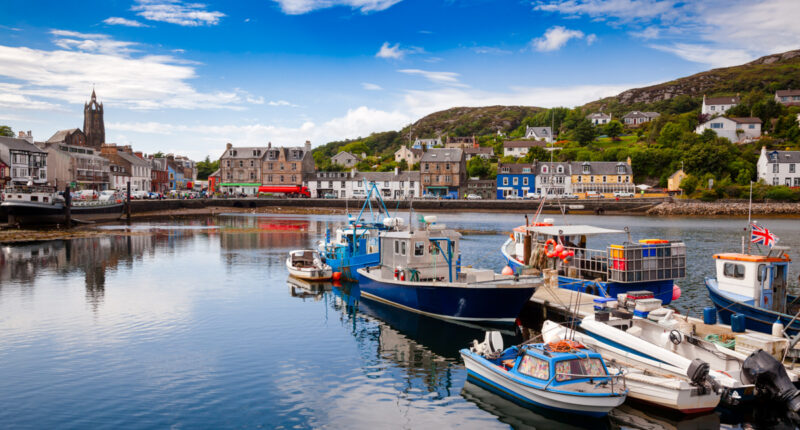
[115, 20]
[11, 97]
[396, 52]
[714, 57]
[555, 38]
[621, 9]
[298, 7]
[443, 78]
[371, 87]
[490, 50]
[647, 33]
[177, 12]
[281, 103]
[135, 82]
[590, 39]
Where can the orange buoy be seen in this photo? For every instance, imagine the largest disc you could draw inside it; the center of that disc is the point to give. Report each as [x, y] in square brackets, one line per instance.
[550, 252]
[507, 271]
[337, 276]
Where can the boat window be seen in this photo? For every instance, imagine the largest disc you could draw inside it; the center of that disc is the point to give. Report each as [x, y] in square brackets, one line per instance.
[396, 246]
[733, 270]
[419, 248]
[762, 271]
[403, 247]
[579, 368]
[534, 367]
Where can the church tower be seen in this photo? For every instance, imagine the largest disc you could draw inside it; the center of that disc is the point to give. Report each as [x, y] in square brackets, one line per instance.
[93, 126]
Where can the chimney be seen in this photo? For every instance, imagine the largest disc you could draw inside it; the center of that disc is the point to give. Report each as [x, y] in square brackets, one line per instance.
[138, 154]
[269, 145]
[308, 145]
[396, 171]
[363, 155]
[628, 160]
[21, 134]
[228, 146]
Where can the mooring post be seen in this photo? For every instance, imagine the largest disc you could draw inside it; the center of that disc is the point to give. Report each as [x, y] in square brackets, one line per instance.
[67, 206]
[128, 202]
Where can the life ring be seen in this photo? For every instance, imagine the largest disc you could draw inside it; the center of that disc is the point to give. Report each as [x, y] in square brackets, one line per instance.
[550, 252]
[542, 224]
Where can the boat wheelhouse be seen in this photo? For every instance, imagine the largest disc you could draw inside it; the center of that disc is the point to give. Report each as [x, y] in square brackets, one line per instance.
[420, 271]
[307, 264]
[43, 205]
[649, 264]
[755, 286]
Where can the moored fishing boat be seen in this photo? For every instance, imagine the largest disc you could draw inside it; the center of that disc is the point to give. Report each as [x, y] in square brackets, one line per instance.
[563, 376]
[649, 264]
[306, 264]
[30, 205]
[420, 271]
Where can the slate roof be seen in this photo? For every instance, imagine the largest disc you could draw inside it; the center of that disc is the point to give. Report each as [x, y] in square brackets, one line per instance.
[600, 168]
[551, 168]
[539, 131]
[515, 169]
[130, 158]
[676, 173]
[407, 175]
[787, 93]
[345, 153]
[14, 143]
[443, 154]
[599, 115]
[524, 143]
[244, 152]
[784, 157]
[290, 153]
[480, 150]
[721, 100]
[60, 135]
[746, 120]
[216, 173]
[638, 114]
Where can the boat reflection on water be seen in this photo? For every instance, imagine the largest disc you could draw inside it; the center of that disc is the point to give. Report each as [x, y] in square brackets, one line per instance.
[629, 417]
[303, 289]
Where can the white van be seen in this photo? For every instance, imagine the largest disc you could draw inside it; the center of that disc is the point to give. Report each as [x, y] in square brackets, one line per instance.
[87, 194]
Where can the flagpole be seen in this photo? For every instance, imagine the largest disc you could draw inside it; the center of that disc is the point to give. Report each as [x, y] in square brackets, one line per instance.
[749, 215]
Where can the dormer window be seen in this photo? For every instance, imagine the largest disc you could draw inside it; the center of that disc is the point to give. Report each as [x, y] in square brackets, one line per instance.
[586, 168]
[620, 169]
[544, 169]
[560, 169]
[773, 156]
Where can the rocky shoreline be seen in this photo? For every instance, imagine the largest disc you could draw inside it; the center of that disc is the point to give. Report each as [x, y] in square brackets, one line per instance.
[732, 208]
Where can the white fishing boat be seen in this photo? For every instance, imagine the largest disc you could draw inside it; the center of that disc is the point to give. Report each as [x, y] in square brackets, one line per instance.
[656, 387]
[306, 264]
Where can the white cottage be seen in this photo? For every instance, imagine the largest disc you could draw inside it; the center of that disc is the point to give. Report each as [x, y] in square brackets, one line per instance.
[539, 133]
[779, 167]
[718, 105]
[735, 129]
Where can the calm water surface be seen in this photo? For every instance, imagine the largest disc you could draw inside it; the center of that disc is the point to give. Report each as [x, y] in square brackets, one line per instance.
[193, 325]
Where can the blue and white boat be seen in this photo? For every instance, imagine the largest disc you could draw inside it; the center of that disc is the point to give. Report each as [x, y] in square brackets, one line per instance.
[564, 376]
[356, 245]
[647, 265]
[420, 271]
[755, 286]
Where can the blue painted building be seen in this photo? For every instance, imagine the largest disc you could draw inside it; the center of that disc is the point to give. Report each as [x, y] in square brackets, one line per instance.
[515, 179]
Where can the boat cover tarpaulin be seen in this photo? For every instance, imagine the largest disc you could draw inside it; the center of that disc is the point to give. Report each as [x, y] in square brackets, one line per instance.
[572, 230]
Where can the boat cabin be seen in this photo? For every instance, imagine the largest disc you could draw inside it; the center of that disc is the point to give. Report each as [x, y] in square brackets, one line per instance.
[759, 280]
[304, 258]
[540, 363]
[429, 254]
[29, 194]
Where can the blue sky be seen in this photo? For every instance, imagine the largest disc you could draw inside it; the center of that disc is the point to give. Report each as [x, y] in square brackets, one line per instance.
[187, 77]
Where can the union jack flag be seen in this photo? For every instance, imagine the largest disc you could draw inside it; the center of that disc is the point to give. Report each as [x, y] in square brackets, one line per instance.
[760, 235]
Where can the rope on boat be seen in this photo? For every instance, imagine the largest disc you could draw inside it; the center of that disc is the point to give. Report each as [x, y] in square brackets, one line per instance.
[726, 340]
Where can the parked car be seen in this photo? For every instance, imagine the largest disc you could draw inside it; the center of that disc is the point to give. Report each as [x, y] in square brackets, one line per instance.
[138, 195]
[623, 194]
[593, 195]
[473, 197]
[329, 196]
[429, 196]
[535, 196]
[513, 197]
[569, 196]
[87, 194]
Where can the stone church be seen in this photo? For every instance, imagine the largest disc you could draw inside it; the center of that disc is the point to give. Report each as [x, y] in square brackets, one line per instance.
[93, 125]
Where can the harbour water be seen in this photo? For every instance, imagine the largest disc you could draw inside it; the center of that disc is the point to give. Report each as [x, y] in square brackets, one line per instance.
[192, 324]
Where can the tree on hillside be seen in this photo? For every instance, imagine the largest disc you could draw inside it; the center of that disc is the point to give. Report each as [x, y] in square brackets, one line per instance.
[584, 132]
[670, 134]
[158, 154]
[206, 167]
[6, 131]
[477, 167]
[613, 130]
[535, 153]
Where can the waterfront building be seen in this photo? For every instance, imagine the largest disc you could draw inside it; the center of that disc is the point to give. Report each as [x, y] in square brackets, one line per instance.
[485, 152]
[602, 176]
[72, 136]
[779, 167]
[714, 106]
[240, 169]
[345, 159]
[553, 178]
[599, 118]
[457, 142]
[126, 166]
[189, 169]
[411, 155]
[737, 130]
[637, 118]
[213, 182]
[443, 171]
[539, 133]
[424, 144]
[788, 97]
[515, 179]
[674, 180]
[286, 165]
[485, 188]
[351, 185]
[520, 148]
[26, 162]
[159, 174]
[78, 166]
[5, 173]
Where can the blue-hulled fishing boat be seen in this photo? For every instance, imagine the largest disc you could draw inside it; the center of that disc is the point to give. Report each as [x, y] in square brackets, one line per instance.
[356, 245]
[420, 271]
[649, 264]
[563, 376]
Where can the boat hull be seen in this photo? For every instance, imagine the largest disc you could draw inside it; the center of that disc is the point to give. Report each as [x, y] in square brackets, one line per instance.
[349, 266]
[309, 274]
[492, 377]
[465, 302]
[26, 213]
[756, 319]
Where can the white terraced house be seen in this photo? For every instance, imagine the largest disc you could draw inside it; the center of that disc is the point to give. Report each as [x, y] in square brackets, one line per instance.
[27, 162]
[714, 106]
[735, 129]
[351, 185]
[779, 167]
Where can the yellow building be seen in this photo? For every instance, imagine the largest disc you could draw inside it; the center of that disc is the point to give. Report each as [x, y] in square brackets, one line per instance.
[674, 181]
[602, 176]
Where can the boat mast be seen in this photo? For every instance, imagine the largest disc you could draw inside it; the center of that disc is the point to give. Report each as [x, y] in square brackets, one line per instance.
[749, 222]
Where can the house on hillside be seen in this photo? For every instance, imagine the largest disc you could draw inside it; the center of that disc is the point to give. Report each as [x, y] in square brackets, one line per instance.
[485, 152]
[346, 159]
[718, 105]
[553, 178]
[520, 148]
[599, 118]
[454, 142]
[779, 167]
[788, 97]
[515, 179]
[485, 188]
[411, 155]
[424, 144]
[675, 179]
[737, 130]
[602, 176]
[637, 118]
[443, 172]
[539, 133]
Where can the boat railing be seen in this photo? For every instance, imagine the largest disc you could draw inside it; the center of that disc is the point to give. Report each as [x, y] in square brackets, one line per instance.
[24, 189]
[630, 262]
[589, 263]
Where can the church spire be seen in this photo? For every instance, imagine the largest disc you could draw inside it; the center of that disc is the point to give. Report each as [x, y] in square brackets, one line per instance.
[94, 97]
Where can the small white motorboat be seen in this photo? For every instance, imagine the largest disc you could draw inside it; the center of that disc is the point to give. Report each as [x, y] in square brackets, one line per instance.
[306, 264]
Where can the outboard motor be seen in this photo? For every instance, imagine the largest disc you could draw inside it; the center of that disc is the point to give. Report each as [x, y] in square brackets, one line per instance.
[770, 378]
[698, 374]
[492, 344]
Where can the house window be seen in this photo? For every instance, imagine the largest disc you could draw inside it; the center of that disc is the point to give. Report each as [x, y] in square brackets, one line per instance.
[791, 168]
[774, 181]
[526, 170]
[397, 247]
[716, 125]
[560, 169]
[241, 163]
[619, 178]
[281, 178]
[580, 179]
[544, 169]
[751, 126]
[447, 166]
[251, 163]
[516, 181]
[788, 182]
[525, 181]
[797, 182]
[585, 169]
[403, 247]
[775, 168]
[713, 108]
[505, 181]
[604, 179]
[342, 184]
